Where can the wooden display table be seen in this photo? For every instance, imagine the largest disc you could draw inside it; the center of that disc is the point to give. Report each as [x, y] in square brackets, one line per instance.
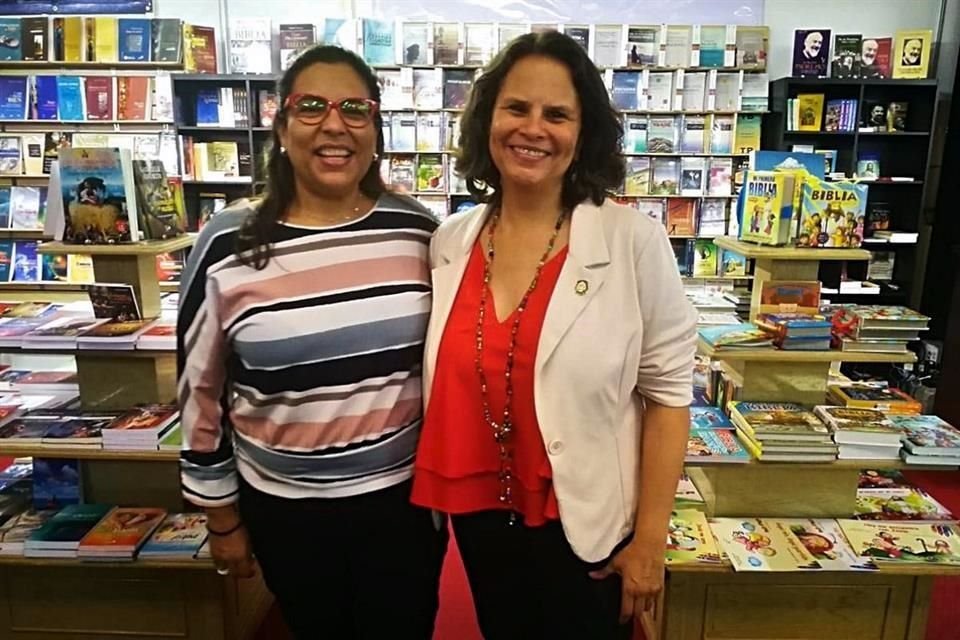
[43, 599]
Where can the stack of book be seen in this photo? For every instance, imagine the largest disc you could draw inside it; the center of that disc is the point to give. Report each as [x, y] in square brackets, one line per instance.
[712, 438]
[861, 434]
[734, 337]
[161, 336]
[928, 440]
[141, 429]
[887, 496]
[120, 534]
[178, 537]
[879, 329]
[60, 333]
[782, 432]
[15, 531]
[868, 396]
[797, 331]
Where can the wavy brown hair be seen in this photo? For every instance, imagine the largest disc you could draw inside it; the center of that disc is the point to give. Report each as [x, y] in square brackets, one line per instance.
[598, 167]
[253, 241]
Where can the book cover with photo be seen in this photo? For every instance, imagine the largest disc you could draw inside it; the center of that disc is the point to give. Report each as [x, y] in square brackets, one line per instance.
[378, 46]
[294, 40]
[26, 264]
[99, 198]
[414, 41]
[635, 134]
[811, 53]
[642, 46]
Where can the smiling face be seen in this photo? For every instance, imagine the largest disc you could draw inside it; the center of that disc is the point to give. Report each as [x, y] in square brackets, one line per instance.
[330, 157]
[912, 51]
[869, 51]
[535, 125]
[813, 43]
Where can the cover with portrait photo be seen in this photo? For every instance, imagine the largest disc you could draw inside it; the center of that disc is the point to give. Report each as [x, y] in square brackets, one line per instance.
[911, 54]
[811, 52]
[875, 57]
[846, 56]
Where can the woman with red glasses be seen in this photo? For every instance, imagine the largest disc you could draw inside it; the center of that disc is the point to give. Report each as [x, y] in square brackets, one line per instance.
[300, 338]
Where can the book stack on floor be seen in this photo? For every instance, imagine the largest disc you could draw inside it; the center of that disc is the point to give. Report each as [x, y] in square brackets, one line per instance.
[782, 432]
[928, 440]
[889, 400]
[712, 438]
[878, 329]
[797, 331]
[886, 495]
[861, 434]
[141, 429]
[120, 533]
[734, 337]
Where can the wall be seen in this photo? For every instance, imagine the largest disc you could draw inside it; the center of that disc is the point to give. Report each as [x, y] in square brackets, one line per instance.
[869, 17]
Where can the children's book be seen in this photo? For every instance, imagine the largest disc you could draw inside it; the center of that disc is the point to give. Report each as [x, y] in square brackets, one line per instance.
[832, 214]
[689, 539]
[754, 545]
[825, 541]
[904, 543]
[715, 445]
[767, 207]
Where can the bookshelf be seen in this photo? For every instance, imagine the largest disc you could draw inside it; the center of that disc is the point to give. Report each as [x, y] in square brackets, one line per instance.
[183, 599]
[903, 153]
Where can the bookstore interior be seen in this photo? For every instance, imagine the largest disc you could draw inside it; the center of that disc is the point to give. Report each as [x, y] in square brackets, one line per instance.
[793, 157]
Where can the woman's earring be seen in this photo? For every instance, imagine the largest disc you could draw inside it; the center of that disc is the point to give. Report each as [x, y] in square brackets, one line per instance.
[283, 151]
[376, 156]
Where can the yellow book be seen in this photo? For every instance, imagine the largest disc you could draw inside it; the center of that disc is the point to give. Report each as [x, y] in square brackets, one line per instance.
[903, 542]
[689, 539]
[911, 54]
[189, 63]
[811, 111]
[73, 40]
[105, 41]
[80, 268]
[746, 136]
[753, 545]
[767, 207]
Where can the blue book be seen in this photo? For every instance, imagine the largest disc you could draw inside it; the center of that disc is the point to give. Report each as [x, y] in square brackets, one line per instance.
[13, 98]
[56, 482]
[135, 39]
[4, 207]
[745, 335]
[378, 47]
[6, 259]
[709, 418]
[715, 445]
[332, 34]
[45, 88]
[625, 89]
[69, 98]
[10, 39]
[774, 160]
[26, 264]
[208, 106]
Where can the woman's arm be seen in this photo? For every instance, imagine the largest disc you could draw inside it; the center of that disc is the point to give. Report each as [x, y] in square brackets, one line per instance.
[663, 447]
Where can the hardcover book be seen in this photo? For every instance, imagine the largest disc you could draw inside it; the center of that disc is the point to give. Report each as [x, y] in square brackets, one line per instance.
[832, 214]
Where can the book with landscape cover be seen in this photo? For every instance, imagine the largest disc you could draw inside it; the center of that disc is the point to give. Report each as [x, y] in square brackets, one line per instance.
[56, 482]
[99, 198]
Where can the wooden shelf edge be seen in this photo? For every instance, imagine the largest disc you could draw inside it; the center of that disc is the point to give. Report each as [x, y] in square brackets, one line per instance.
[786, 357]
[150, 247]
[750, 250]
[884, 570]
[192, 565]
[834, 465]
[91, 453]
[95, 353]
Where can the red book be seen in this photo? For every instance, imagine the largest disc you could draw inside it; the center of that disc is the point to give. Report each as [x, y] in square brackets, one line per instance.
[132, 95]
[99, 92]
[682, 217]
[203, 49]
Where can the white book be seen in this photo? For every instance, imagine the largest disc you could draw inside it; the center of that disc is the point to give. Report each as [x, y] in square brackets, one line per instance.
[607, 43]
[430, 132]
[161, 107]
[31, 145]
[428, 89]
[694, 91]
[679, 46]
[727, 91]
[659, 91]
[480, 42]
[251, 48]
[403, 132]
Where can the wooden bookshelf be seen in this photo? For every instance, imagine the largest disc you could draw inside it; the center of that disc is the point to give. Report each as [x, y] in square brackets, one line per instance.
[764, 252]
[789, 357]
[200, 564]
[89, 453]
[891, 569]
[148, 248]
[58, 65]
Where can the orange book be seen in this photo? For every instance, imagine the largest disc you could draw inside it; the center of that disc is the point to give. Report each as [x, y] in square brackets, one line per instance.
[121, 530]
[132, 95]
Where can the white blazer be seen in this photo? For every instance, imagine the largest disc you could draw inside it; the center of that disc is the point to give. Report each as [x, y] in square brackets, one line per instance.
[618, 323]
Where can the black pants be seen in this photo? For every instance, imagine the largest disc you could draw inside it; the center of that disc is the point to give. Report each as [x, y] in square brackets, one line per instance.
[528, 584]
[363, 567]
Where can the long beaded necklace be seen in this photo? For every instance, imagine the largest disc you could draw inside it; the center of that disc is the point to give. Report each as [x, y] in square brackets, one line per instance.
[503, 429]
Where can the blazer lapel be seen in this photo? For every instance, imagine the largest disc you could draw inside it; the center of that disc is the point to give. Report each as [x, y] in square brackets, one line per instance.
[580, 279]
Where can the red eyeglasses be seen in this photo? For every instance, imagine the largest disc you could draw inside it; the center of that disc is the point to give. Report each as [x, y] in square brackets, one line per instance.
[311, 109]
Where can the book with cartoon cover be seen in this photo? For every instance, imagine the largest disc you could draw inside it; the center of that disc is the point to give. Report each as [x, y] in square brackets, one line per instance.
[753, 545]
[179, 535]
[709, 418]
[767, 207]
[832, 214]
[925, 434]
[912, 504]
[688, 496]
[886, 399]
[904, 543]
[689, 539]
[765, 421]
[715, 445]
[826, 543]
[851, 425]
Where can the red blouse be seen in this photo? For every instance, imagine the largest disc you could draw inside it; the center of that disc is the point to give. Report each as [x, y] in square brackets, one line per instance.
[458, 462]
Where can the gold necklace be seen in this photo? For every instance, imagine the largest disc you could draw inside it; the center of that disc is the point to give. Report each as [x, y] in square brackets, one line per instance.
[503, 429]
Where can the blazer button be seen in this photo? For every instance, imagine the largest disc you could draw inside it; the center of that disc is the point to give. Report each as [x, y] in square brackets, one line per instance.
[555, 447]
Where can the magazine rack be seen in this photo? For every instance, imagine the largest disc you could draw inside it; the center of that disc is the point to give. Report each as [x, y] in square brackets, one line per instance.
[715, 602]
[142, 599]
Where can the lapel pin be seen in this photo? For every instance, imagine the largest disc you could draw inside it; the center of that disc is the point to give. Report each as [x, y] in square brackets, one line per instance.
[581, 287]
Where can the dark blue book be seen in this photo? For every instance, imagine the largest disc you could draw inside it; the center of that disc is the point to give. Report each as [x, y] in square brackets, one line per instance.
[46, 94]
[13, 98]
[26, 265]
[208, 106]
[135, 39]
[69, 98]
[56, 482]
[4, 207]
[625, 89]
[6, 259]
[10, 39]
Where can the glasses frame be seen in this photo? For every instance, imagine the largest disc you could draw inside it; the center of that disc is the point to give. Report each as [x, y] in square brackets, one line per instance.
[334, 105]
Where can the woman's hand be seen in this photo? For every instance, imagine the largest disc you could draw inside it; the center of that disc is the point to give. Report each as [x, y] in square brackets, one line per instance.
[231, 553]
[641, 568]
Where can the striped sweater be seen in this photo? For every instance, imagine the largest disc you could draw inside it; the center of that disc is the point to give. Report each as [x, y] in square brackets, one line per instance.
[304, 377]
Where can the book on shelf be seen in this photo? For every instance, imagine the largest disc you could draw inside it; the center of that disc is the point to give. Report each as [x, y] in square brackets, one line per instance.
[704, 259]
[694, 92]
[694, 137]
[659, 90]
[178, 537]
[689, 539]
[135, 39]
[11, 155]
[746, 136]
[715, 446]
[26, 262]
[718, 45]
[447, 48]
[811, 48]
[430, 173]
[377, 41]
[854, 426]
[293, 40]
[758, 545]
[709, 417]
[900, 504]
[927, 435]
[625, 90]
[692, 176]
[199, 49]
[635, 134]
[15, 531]
[903, 542]
[643, 46]
[415, 43]
[726, 93]
[579, 34]
[845, 62]
[772, 422]
[60, 333]
[77, 432]
[637, 181]
[250, 45]
[114, 334]
[681, 219]
[114, 301]
[663, 133]
[607, 45]
[60, 536]
[712, 221]
[480, 43]
[875, 57]
[166, 40]
[98, 195]
[890, 400]
[733, 337]
[678, 46]
[120, 533]
[911, 53]
[752, 47]
[56, 482]
[825, 541]
[14, 100]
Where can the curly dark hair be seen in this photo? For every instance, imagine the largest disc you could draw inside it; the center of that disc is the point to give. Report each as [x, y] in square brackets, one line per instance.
[598, 167]
[253, 246]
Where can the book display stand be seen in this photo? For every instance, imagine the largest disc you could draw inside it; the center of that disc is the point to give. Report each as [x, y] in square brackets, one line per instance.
[144, 598]
[712, 601]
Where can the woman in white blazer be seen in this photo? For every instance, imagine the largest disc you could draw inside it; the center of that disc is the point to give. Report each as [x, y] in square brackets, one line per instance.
[559, 359]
